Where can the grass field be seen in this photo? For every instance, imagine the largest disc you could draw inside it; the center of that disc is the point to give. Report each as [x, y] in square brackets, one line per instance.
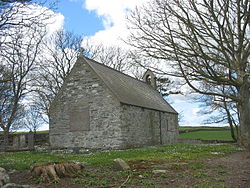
[183, 164]
[206, 133]
[45, 131]
[202, 127]
[181, 152]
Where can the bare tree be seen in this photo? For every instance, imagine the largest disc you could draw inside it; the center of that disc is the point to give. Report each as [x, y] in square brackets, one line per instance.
[22, 14]
[62, 50]
[9, 10]
[112, 56]
[33, 118]
[6, 99]
[19, 60]
[204, 41]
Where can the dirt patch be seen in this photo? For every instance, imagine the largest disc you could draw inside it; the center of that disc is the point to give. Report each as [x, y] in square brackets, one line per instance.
[229, 171]
[233, 169]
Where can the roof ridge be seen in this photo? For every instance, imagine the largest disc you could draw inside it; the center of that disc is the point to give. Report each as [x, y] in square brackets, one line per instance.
[115, 70]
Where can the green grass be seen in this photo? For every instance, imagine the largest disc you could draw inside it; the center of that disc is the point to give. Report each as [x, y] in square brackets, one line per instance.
[202, 127]
[37, 132]
[208, 135]
[45, 131]
[178, 152]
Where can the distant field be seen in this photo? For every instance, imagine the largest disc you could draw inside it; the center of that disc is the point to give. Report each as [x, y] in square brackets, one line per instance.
[208, 133]
[202, 127]
[46, 131]
[202, 132]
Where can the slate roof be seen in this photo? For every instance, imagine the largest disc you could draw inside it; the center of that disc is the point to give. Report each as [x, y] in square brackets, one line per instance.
[129, 90]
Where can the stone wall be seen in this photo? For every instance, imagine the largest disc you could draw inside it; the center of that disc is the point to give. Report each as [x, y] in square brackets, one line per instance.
[85, 113]
[145, 127]
[41, 139]
[25, 140]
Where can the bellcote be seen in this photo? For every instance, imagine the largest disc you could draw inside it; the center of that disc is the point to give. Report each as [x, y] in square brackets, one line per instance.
[149, 78]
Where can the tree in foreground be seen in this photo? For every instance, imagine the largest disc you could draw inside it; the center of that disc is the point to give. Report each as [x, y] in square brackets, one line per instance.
[22, 26]
[207, 43]
[10, 108]
[19, 61]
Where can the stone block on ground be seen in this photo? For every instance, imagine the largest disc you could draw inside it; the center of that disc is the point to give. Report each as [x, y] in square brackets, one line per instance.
[13, 185]
[159, 171]
[122, 164]
[4, 177]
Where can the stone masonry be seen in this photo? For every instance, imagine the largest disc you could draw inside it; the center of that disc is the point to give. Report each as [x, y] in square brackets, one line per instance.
[147, 127]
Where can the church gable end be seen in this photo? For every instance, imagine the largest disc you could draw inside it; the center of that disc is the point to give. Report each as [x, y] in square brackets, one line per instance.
[83, 110]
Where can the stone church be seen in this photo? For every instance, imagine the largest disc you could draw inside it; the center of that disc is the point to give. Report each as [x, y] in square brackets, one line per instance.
[99, 107]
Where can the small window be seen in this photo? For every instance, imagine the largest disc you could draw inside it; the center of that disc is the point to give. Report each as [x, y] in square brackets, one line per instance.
[79, 119]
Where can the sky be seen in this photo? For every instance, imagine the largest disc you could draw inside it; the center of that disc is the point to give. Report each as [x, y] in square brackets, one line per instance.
[104, 21]
[78, 19]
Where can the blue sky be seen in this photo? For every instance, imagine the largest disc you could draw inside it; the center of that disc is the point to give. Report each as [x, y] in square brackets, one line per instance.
[78, 19]
[104, 21]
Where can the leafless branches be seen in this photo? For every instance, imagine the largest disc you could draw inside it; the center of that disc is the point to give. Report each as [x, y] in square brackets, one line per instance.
[19, 60]
[61, 52]
[22, 14]
[23, 28]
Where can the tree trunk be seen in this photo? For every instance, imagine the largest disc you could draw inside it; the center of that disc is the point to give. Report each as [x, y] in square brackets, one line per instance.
[244, 116]
[230, 121]
[232, 131]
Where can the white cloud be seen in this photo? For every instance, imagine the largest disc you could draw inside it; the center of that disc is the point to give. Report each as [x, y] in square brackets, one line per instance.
[113, 14]
[56, 23]
[195, 111]
[179, 99]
